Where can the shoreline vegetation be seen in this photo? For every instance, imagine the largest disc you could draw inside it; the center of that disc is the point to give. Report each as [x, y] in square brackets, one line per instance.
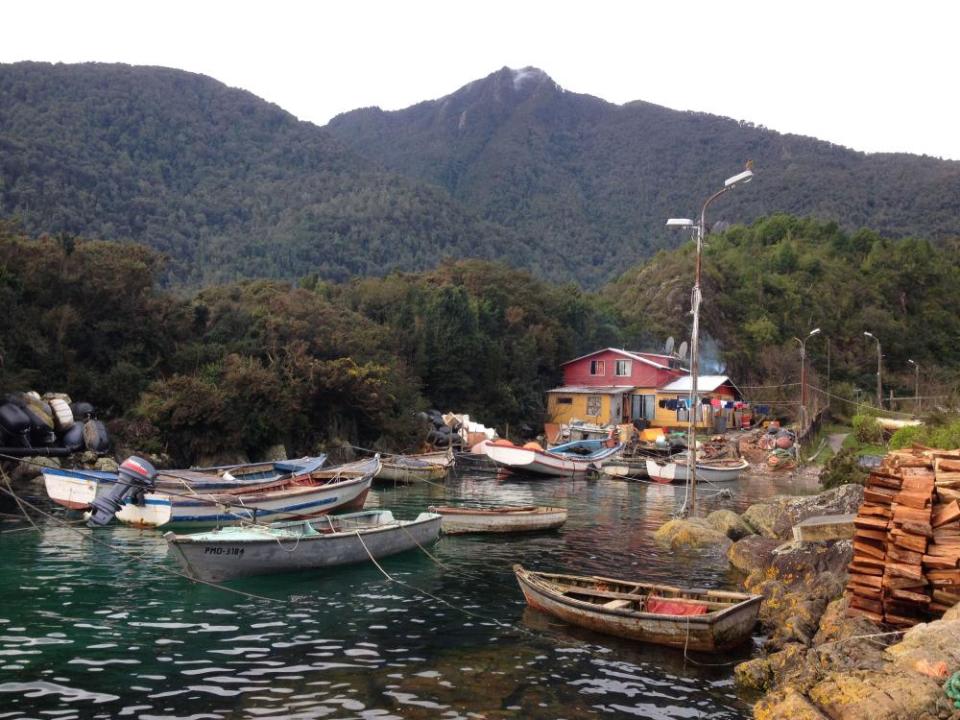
[242, 367]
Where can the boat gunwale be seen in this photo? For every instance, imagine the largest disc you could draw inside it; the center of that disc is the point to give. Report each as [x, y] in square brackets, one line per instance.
[192, 538]
[493, 512]
[531, 579]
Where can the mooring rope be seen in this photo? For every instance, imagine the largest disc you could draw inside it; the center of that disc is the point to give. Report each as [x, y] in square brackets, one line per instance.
[129, 555]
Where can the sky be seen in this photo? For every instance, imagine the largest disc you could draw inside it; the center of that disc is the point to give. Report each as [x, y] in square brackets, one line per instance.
[874, 76]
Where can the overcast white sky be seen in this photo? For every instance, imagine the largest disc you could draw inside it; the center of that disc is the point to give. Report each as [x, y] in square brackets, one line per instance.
[874, 76]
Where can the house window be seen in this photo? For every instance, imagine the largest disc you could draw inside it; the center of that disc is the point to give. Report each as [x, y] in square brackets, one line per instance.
[593, 405]
[622, 368]
[564, 401]
[644, 407]
[597, 367]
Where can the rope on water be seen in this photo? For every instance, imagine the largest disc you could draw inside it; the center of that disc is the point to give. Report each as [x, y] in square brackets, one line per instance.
[126, 554]
[687, 658]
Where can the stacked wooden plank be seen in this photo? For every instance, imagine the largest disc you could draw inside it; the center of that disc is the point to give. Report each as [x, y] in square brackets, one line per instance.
[906, 563]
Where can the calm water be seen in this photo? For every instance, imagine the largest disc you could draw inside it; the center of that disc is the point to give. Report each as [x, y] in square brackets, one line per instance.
[85, 633]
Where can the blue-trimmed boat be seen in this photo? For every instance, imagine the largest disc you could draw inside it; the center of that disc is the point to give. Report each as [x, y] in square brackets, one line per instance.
[76, 489]
[567, 460]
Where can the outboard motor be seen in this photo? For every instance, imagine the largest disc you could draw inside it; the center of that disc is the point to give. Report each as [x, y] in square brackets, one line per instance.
[136, 476]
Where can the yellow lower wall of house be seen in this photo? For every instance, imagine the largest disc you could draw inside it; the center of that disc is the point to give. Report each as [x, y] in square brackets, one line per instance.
[577, 410]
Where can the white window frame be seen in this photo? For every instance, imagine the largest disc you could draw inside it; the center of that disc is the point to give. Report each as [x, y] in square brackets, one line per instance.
[628, 368]
[597, 401]
[600, 365]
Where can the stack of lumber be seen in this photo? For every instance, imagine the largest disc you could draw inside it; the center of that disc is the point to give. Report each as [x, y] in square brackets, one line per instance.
[906, 546]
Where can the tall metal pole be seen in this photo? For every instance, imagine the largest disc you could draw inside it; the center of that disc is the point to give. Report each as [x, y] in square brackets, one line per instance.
[916, 386]
[701, 230]
[879, 367]
[879, 383]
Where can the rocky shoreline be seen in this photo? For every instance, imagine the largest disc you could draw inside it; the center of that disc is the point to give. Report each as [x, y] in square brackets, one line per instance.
[817, 663]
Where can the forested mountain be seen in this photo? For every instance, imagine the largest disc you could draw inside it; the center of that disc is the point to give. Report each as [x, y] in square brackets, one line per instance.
[225, 184]
[596, 181]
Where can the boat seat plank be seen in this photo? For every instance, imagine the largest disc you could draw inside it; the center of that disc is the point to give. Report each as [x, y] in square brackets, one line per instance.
[617, 604]
[612, 595]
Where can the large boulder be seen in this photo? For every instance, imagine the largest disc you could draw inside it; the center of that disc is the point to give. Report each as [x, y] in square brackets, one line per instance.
[690, 533]
[786, 704]
[871, 695]
[753, 552]
[729, 523]
[776, 517]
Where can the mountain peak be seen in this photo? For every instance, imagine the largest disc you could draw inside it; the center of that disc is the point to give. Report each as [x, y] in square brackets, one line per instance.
[528, 75]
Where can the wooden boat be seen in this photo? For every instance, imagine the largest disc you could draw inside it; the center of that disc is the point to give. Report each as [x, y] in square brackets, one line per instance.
[627, 468]
[499, 519]
[412, 468]
[76, 489]
[706, 620]
[723, 470]
[567, 460]
[303, 496]
[305, 545]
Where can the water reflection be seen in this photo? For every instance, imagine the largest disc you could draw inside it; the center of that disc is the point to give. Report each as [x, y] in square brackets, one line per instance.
[85, 632]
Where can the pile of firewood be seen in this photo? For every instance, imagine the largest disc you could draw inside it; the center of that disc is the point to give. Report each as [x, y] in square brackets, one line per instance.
[906, 548]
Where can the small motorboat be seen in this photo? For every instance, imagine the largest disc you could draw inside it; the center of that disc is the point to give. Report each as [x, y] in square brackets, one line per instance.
[428, 467]
[567, 460]
[675, 469]
[527, 518]
[76, 489]
[306, 545]
[705, 620]
[340, 488]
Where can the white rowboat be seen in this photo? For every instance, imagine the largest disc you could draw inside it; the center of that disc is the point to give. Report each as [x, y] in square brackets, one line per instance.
[499, 519]
[286, 547]
[707, 470]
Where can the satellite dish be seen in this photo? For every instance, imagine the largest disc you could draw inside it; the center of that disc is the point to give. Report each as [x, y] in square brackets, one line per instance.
[682, 352]
[668, 348]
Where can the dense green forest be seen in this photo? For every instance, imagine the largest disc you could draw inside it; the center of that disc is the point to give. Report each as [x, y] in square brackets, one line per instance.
[244, 365]
[783, 276]
[511, 167]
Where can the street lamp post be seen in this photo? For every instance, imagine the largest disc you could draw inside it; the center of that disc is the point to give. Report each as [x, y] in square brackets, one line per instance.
[700, 232]
[803, 377]
[916, 385]
[879, 367]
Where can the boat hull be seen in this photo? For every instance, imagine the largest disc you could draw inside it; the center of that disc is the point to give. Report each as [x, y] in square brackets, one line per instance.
[545, 462]
[227, 557]
[668, 472]
[428, 467]
[502, 520]
[76, 489]
[297, 502]
[712, 632]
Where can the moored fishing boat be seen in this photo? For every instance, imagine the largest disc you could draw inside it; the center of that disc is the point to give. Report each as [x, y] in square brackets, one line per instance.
[528, 518]
[305, 545]
[76, 489]
[565, 460]
[627, 468]
[413, 468]
[675, 470]
[303, 496]
[705, 620]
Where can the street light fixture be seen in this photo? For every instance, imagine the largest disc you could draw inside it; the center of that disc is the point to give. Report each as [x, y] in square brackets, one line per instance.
[700, 232]
[916, 385]
[879, 368]
[803, 377]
